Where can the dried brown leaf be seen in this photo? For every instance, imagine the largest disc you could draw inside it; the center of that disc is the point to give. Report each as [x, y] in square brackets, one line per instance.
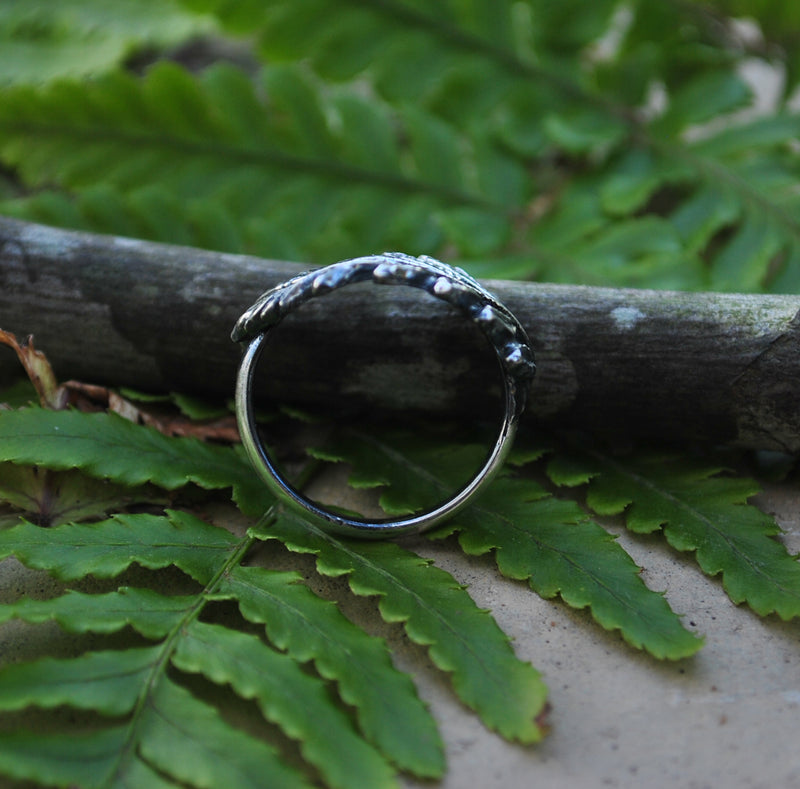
[38, 369]
[92, 397]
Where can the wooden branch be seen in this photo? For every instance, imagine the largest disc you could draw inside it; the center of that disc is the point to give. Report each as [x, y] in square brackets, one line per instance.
[696, 367]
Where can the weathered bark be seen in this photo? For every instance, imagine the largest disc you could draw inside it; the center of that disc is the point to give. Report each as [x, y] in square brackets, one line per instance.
[666, 366]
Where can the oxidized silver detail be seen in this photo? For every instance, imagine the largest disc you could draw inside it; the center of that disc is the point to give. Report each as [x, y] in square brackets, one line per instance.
[448, 283]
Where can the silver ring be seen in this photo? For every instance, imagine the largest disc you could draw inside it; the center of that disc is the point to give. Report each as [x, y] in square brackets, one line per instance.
[453, 285]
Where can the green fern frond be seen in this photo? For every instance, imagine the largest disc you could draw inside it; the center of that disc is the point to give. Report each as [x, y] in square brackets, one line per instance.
[535, 537]
[701, 511]
[435, 611]
[53, 39]
[454, 164]
[326, 167]
[150, 212]
[559, 551]
[546, 89]
[110, 447]
[50, 497]
[276, 681]
[388, 174]
[388, 709]
[462, 640]
[224, 655]
[307, 626]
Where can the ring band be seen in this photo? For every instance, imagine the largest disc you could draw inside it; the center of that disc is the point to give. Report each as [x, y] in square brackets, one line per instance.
[452, 285]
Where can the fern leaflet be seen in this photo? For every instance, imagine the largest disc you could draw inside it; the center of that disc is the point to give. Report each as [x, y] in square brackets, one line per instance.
[461, 639]
[109, 447]
[535, 537]
[211, 556]
[79, 38]
[699, 510]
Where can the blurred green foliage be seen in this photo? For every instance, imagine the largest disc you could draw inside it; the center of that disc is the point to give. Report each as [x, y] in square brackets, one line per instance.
[613, 143]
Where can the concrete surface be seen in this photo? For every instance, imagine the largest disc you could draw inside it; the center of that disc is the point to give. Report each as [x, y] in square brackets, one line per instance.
[726, 718]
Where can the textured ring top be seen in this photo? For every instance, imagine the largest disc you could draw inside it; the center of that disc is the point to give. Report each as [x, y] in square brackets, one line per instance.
[452, 285]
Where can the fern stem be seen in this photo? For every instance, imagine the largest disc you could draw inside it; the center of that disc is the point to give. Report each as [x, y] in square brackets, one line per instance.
[715, 172]
[159, 668]
[266, 158]
[169, 644]
[509, 61]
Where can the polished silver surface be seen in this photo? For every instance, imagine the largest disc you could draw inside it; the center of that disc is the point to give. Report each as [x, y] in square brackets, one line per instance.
[503, 331]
